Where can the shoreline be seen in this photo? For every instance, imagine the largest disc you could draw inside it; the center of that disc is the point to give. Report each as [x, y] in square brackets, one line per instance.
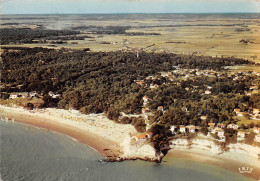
[103, 146]
[217, 160]
[111, 148]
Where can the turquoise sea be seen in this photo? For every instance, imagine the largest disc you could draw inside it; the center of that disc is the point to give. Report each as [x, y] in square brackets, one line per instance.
[32, 154]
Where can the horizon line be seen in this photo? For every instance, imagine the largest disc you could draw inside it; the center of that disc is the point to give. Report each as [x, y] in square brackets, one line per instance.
[133, 13]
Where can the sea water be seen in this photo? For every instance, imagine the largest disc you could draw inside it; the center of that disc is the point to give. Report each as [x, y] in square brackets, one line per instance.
[32, 154]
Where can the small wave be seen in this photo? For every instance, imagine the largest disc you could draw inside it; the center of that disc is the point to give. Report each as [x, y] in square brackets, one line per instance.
[73, 139]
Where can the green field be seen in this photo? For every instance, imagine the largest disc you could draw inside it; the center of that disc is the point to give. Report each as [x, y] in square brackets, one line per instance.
[209, 36]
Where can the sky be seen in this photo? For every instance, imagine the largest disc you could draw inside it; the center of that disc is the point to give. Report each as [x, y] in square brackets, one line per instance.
[127, 6]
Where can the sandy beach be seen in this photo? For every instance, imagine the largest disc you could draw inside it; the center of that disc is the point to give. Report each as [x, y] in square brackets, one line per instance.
[95, 131]
[107, 137]
[222, 161]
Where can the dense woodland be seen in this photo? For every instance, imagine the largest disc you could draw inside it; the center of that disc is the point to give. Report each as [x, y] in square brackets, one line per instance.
[95, 82]
[27, 35]
[123, 29]
[41, 35]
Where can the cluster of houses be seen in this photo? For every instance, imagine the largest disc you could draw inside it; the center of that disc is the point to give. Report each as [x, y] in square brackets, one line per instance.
[217, 129]
[254, 114]
[193, 73]
[184, 129]
[15, 95]
[188, 73]
[147, 110]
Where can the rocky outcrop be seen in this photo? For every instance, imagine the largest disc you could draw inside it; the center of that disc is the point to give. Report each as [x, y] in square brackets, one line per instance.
[138, 149]
[210, 146]
[180, 144]
[205, 144]
[253, 151]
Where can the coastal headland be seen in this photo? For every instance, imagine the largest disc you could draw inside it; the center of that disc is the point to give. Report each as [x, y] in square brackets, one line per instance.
[104, 137]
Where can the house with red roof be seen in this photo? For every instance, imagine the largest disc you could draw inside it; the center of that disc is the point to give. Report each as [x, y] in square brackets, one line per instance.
[145, 110]
[221, 125]
[144, 136]
[160, 108]
[256, 111]
[211, 124]
[256, 130]
[140, 82]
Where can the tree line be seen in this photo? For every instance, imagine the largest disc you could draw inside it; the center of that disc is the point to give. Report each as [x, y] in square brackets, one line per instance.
[27, 35]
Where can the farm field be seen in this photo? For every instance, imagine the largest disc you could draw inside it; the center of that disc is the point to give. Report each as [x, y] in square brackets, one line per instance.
[209, 34]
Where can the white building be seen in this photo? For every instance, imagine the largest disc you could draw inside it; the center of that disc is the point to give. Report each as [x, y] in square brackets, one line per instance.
[240, 114]
[53, 95]
[233, 126]
[32, 94]
[221, 134]
[153, 86]
[182, 129]
[236, 110]
[256, 130]
[56, 96]
[203, 117]
[173, 128]
[255, 111]
[191, 128]
[241, 134]
[13, 96]
[146, 100]
[257, 138]
[207, 92]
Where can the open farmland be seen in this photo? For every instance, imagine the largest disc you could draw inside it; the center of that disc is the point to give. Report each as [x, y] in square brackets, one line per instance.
[210, 34]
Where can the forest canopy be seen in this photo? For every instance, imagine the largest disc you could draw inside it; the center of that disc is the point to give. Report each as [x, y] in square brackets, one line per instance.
[95, 82]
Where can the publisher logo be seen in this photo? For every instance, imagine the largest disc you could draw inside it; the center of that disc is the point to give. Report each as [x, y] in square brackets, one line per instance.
[245, 170]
